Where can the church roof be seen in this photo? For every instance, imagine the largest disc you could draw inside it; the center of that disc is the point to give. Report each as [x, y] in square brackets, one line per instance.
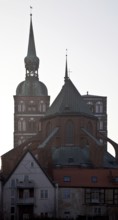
[69, 101]
[31, 87]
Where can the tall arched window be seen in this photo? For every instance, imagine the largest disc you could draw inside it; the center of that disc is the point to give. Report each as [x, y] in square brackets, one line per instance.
[90, 127]
[32, 124]
[91, 106]
[99, 107]
[48, 128]
[100, 124]
[69, 134]
[21, 106]
[21, 125]
[42, 106]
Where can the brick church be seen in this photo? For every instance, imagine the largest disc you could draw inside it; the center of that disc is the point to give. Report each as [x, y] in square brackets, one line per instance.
[59, 166]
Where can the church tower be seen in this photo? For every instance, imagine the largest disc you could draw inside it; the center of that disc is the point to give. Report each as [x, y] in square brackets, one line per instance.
[31, 100]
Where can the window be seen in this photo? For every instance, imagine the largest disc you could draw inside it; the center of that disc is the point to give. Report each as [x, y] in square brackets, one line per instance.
[42, 106]
[12, 210]
[69, 133]
[95, 196]
[100, 124]
[70, 160]
[32, 125]
[90, 104]
[99, 107]
[13, 183]
[32, 106]
[90, 127]
[21, 106]
[94, 179]
[48, 128]
[97, 210]
[21, 140]
[67, 178]
[116, 196]
[66, 194]
[21, 125]
[44, 194]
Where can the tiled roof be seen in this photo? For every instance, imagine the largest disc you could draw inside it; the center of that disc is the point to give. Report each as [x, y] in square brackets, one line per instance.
[82, 177]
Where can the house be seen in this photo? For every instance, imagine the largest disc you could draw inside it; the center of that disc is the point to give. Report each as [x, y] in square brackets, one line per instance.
[28, 192]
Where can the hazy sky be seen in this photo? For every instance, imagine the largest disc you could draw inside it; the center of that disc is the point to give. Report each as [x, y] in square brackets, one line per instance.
[87, 28]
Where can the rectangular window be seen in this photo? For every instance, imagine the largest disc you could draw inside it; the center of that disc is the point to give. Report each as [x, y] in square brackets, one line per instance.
[67, 178]
[12, 210]
[94, 196]
[44, 194]
[66, 194]
[94, 179]
[13, 183]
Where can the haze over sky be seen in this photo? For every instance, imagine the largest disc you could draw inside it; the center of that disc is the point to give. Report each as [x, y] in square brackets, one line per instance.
[87, 28]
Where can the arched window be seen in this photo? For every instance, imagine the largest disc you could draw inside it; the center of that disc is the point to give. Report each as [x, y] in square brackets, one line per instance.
[99, 107]
[21, 106]
[21, 125]
[39, 126]
[21, 140]
[90, 127]
[91, 106]
[32, 106]
[100, 124]
[48, 128]
[32, 125]
[69, 134]
[42, 106]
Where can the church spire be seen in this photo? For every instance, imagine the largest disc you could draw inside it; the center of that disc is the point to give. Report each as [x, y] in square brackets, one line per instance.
[66, 70]
[31, 60]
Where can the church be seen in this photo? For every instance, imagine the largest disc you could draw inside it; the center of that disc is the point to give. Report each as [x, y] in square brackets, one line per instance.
[59, 167]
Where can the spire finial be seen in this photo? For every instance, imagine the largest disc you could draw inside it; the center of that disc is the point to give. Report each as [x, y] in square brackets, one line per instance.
[66, 69]
[31, 10]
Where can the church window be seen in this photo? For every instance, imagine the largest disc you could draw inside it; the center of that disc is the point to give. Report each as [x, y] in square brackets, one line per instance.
[42, 106]
[90, 127]
[21, 125]
[31, 124]
[91, 106]
[21, 140]
[39, 126]
[31, 106]
[69, 133]
[48, 128]
[21, 106]
[100, 124]
[99, 107]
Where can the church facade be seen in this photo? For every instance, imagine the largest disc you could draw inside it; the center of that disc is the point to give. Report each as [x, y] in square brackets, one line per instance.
[59, 166]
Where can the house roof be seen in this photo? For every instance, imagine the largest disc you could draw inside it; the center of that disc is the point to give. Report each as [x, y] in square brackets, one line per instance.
[82, 177]
[22, 157]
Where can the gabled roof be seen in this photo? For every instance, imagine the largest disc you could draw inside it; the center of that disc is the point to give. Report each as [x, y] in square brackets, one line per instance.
[23, 156]
[69, 101]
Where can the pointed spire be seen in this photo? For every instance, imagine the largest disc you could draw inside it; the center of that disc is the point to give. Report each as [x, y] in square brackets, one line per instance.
[66, 69]
[31, 45]
[31, 60]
